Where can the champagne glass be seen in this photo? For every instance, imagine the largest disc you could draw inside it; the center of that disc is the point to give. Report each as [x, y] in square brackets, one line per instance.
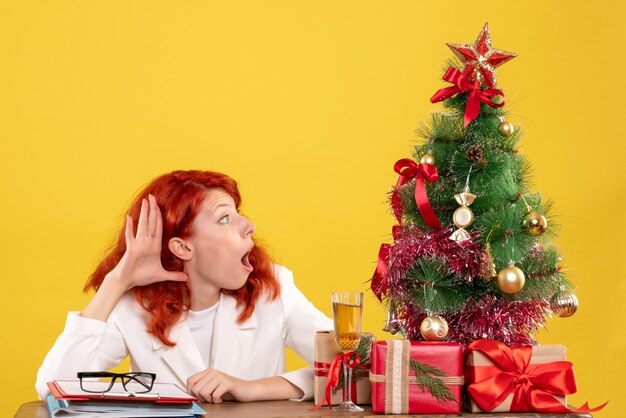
[347, 314]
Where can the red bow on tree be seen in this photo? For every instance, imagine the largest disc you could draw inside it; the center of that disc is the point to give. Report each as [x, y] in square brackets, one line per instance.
[534, 386]
[409, 169]
[379, 279]
[462, 84]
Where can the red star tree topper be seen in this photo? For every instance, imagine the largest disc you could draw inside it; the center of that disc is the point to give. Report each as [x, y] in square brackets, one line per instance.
[481, 59]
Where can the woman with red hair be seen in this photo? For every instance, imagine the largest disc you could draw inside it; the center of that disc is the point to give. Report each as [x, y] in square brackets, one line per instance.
[189, 296]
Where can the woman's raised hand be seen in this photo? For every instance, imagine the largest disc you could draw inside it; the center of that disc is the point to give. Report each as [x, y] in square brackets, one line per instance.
[139, 266]
[141, 263]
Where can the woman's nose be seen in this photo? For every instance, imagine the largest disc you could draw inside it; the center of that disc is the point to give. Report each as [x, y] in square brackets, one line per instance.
[248, 228]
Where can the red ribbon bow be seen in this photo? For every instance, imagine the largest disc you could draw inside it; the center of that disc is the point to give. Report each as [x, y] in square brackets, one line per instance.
[533, 385]
[409, 169]
[462, 84]
[379, 279]
[350, 360]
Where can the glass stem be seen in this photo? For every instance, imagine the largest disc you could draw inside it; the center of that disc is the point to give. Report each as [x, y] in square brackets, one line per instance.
[347, 384]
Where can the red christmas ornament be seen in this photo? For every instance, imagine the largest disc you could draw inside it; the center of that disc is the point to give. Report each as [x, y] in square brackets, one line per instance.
[481, 59]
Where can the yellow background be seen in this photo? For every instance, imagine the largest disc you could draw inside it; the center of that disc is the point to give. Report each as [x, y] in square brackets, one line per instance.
[307, 104]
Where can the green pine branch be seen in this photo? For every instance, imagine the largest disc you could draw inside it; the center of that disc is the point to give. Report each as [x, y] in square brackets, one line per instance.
[434, 287]
[360, 371]
[427, 379]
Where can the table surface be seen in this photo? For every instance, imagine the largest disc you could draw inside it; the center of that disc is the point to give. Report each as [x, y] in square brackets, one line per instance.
[286, 409]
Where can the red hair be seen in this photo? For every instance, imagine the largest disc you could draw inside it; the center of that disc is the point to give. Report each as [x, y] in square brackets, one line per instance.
[179, 195]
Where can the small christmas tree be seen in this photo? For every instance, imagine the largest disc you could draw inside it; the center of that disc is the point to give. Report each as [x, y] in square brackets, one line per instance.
[472, 255]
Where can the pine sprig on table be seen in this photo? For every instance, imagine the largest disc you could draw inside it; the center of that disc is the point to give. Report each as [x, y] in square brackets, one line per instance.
[428, 378]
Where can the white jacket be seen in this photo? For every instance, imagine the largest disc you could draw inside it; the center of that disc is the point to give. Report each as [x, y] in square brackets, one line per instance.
[251, 350]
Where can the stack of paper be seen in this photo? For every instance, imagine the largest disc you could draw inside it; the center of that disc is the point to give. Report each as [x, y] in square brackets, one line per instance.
[165, 400]
[119, 409]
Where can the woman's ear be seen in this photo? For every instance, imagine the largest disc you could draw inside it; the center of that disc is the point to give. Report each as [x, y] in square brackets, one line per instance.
[181, 248]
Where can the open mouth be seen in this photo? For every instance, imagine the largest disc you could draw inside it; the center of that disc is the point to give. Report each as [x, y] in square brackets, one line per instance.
[245, 260]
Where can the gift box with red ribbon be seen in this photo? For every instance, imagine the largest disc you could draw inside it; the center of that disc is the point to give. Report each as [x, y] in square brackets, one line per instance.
[521, 379]
[325, 353]
[416, 377]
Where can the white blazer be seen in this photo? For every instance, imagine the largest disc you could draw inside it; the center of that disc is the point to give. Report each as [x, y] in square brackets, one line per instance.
[253, 349]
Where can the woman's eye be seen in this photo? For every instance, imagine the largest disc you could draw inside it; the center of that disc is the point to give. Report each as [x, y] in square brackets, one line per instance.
[224, 219]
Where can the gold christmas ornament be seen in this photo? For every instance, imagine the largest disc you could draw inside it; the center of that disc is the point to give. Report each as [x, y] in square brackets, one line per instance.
[488, 268]
[434, 328]
[392, 325]
[428, 158]
[535, 222]
[564, 304]
[506, 128]
[463, 216]
[511, 279]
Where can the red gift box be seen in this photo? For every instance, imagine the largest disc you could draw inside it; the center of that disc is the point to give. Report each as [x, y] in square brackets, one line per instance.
[479, 367]
[520, 379]
[394, 385]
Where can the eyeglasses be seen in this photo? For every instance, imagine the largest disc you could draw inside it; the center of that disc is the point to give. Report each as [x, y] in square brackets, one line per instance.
[100, 382]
